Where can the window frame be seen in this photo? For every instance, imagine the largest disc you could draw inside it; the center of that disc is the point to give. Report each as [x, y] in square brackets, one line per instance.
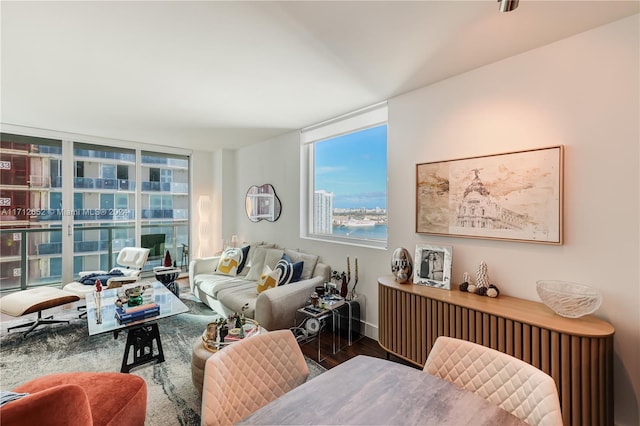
[75, 150]
[362, 119]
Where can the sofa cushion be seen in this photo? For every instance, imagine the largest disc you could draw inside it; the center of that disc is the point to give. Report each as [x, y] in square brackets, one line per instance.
[273, 257]
[269, 279]
[290, 272]
[310, 261]
[230, 261]
[212, 284]
[263, 256]
[252, 250]
[234, 299]
[245, 258]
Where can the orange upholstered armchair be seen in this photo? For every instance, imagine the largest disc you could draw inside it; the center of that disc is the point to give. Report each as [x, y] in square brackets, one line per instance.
[79, 399]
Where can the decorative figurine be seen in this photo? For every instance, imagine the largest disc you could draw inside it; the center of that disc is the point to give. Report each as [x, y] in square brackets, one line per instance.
[482, 286]
[482, 279]
[352, 295]
[341, 281]
[167, 259]
[465, 282]
[344, 289]
[493, 291]
[401, 265]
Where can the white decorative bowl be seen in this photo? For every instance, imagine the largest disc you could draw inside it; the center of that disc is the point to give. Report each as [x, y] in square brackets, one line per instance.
[569, 299]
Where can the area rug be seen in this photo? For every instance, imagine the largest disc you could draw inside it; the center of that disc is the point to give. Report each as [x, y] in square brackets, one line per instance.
[172, 398]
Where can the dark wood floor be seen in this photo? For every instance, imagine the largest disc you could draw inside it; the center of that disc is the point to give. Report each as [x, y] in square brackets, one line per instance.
[362, 346]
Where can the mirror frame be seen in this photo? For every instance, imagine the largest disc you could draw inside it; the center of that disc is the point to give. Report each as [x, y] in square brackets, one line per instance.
[262, 203]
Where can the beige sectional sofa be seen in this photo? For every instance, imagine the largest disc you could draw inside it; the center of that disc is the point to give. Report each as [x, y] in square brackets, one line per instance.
[274, 308]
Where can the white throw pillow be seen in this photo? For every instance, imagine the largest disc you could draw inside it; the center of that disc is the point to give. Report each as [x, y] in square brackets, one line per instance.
[268, 279]
[257, 263]
[252, 249]
[272, 257]
[229, 261]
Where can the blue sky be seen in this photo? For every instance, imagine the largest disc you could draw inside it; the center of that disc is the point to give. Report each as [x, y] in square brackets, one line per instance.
[354, 168]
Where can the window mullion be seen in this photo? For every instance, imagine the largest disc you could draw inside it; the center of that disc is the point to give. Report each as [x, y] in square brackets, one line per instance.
[67, 190]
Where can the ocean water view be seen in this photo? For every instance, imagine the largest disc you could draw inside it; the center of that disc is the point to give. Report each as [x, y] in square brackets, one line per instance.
[377, 232]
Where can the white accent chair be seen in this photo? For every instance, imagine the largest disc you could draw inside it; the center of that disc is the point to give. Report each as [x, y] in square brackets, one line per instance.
[247, 375]
[517, 387]
[131, 260]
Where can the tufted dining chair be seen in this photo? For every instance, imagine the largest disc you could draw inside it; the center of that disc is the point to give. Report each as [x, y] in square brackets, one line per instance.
[517, 387]
[249, 374]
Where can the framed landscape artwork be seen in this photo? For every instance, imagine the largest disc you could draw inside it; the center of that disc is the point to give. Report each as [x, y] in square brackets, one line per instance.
[433, 266]
[514, 196]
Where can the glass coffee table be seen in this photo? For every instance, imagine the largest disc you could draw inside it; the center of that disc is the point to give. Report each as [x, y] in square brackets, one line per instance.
[141, 334]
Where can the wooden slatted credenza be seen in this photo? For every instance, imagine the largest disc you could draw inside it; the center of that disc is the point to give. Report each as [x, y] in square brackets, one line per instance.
[577, 353]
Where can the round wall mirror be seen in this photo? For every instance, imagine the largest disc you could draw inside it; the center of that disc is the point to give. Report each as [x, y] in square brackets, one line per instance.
[262, 203]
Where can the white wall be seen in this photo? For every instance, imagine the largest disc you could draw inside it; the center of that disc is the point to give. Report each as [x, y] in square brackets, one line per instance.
[583, 93]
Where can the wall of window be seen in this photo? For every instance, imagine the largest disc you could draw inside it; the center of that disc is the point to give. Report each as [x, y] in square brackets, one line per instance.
[165, 203]
[30, 242]
[101, 215]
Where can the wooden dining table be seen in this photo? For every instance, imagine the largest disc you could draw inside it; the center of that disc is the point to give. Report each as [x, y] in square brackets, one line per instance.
[374, 391]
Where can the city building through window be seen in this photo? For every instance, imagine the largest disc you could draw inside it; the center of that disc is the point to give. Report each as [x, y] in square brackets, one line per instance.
[100, 206]
[346, 177]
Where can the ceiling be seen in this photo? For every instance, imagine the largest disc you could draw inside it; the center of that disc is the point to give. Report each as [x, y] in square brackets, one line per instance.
[210, 74]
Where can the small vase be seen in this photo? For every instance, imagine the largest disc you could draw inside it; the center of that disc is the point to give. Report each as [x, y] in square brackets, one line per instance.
[134, 300]
[345, 287]
[98, 299]
[167, 259]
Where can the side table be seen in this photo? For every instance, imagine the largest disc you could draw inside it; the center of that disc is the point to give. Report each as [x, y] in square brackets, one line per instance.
[199, 357]
[343, 317]
[348, 317]
[311, 326]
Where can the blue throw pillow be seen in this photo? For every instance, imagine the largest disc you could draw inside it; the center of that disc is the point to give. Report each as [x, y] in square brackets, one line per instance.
[289, 272]
[297, 271]
[245, 256]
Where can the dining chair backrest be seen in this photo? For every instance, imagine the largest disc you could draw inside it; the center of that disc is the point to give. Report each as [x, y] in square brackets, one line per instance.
[131, 260]
[249, 374]
[517, 387]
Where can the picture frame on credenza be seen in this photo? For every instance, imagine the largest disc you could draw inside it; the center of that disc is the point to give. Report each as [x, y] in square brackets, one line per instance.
[433, 266]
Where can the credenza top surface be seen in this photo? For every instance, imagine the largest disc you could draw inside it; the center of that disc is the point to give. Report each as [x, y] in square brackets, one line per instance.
[521, 310]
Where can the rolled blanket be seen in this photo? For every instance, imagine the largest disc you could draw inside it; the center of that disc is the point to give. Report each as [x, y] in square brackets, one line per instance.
[91, 278]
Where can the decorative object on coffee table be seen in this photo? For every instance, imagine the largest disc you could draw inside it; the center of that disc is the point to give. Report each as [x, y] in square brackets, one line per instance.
[569, 299]
[98, 296]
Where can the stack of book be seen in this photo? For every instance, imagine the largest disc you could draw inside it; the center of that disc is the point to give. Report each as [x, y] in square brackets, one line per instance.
[125, 314]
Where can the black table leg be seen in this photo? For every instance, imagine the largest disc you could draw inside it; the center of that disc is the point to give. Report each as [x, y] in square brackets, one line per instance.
[141, 338]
